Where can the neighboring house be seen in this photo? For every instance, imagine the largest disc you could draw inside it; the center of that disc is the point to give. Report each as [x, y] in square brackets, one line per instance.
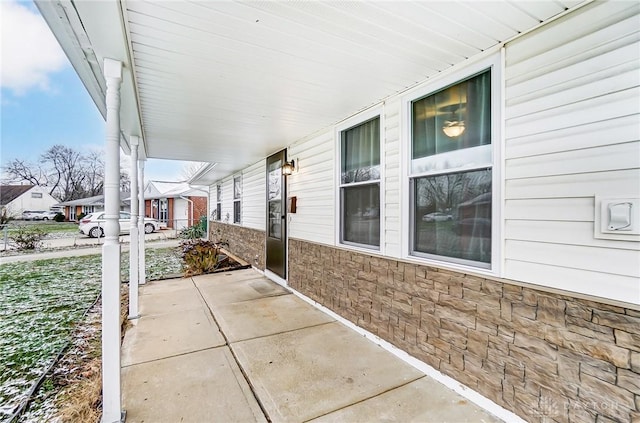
[84, 206]
[18, 198]
[175, 204]
[466, 183]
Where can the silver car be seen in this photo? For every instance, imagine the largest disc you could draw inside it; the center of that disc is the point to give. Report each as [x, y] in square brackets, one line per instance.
[93, 224]
[437, 217]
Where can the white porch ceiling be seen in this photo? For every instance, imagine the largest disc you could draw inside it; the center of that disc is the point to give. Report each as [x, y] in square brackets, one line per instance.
[232, 82]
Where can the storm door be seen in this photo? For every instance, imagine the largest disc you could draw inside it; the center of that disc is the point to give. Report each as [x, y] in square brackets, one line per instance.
[276, 215]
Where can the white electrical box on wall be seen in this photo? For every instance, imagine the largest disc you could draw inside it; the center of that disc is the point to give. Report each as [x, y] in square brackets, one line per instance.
[617, 218]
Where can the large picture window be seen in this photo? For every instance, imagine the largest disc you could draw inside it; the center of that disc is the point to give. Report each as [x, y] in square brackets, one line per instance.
[360, 184]
[451, 172]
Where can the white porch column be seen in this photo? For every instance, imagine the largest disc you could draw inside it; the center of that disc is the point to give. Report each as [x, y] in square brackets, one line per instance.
[134, 262]
[141, 256]
[111, 389]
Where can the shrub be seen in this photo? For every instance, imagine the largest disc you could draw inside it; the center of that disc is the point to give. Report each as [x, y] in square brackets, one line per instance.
[80, 216]
[200, 256]
[27, 238]
[198, 230]
[192, 232]
[59, 217]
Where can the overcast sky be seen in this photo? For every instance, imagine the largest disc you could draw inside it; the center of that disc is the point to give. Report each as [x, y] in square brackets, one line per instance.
[43, 101]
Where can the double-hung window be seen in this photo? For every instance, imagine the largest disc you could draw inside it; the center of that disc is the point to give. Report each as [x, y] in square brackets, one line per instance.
[360, 185]
[450, 172]
[218, 202]
[237, 195]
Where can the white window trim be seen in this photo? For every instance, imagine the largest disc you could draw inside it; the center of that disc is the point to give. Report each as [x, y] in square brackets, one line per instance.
[495, 61]
[236, 200]
[369, 114]
[219, 201]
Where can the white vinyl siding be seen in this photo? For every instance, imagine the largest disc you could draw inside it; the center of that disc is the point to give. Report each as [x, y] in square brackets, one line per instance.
[314, 184]
[227, 200]
[391, 207]
[254, 196]
[572, 132]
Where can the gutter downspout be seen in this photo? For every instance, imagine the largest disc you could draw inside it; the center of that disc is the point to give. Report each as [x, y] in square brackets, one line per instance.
[191, 214]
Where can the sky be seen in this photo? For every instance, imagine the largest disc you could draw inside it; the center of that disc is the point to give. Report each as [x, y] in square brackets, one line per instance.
[43, 101]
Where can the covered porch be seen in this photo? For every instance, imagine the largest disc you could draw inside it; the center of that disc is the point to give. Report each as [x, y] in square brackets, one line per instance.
[236, 346]
[233, 83]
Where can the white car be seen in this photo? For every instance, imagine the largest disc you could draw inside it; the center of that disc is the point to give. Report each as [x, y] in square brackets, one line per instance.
[39, 214]
[437, 217]
[93, 224]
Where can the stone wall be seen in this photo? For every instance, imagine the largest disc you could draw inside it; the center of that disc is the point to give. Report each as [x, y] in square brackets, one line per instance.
[246, 243]
[545, 357]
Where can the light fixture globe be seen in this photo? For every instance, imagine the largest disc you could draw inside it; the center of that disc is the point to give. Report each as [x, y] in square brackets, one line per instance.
[288, 167]
[453, 128]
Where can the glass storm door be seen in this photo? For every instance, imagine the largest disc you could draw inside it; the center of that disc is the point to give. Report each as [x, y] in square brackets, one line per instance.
[276, 215]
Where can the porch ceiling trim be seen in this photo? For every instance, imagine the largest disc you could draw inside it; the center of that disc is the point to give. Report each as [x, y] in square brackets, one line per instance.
[232, 82]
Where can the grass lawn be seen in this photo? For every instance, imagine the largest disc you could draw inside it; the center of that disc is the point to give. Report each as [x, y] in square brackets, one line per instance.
[48, 227]
[40, 303]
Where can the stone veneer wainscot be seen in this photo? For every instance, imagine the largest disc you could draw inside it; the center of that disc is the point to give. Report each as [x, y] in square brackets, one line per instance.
[244, 242]
[544, 356]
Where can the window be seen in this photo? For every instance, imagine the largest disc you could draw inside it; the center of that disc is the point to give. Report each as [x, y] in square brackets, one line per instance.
[163, 213]
[36, 195]
[360, 185]
[218, 202]
[451, 173]
[237, 194]
[87, 209]
[72, 213]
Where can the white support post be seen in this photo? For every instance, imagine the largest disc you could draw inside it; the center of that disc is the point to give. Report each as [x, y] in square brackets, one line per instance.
[134, 262]
[111, 387]
[141, 255]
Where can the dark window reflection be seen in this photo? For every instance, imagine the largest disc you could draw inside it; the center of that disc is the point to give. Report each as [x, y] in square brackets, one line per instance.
[236, 212]
[453, 215]
[361, 214]
[275, 219]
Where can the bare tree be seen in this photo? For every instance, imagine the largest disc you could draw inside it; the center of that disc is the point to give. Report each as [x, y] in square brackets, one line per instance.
[94, 171]
[23, 171]
[68, 173]
[190, 168]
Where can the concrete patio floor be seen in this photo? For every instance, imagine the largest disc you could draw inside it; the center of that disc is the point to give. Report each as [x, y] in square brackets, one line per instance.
[236, 347]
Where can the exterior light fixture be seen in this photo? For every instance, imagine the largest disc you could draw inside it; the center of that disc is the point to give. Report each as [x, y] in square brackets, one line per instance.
[288, 167]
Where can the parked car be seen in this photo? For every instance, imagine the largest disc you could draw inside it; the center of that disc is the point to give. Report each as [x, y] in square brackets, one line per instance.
[38, 214]
[437, 217]
[93, 224]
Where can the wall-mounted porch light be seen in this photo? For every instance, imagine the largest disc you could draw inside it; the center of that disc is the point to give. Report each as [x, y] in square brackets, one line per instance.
[288, 167]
